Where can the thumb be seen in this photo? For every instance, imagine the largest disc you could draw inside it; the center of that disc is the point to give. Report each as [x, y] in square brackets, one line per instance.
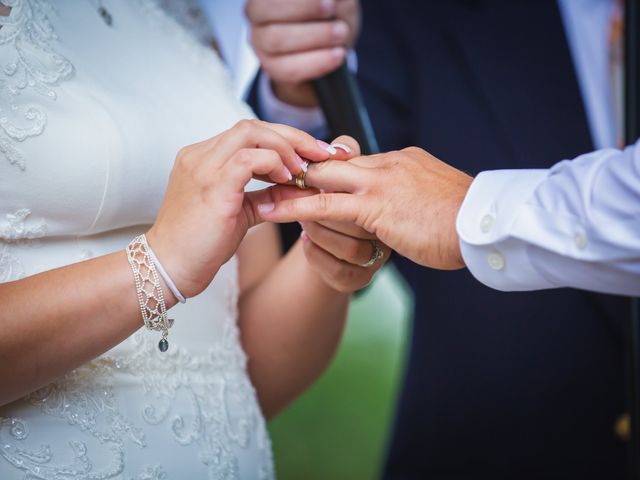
[345, 148]
[283, 204]
[271, 195]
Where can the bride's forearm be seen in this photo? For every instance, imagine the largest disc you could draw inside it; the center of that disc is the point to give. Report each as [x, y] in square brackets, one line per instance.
[57, 320]
[291, 324]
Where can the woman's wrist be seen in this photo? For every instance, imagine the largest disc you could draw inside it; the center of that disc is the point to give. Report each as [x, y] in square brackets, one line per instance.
[150, 291]
[171, 265]
[170, 299]
[165, 278]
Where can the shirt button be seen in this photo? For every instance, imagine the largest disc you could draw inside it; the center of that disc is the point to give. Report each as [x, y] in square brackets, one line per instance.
[496, 261]
[580, 240]
[622, 427]
[486, 223]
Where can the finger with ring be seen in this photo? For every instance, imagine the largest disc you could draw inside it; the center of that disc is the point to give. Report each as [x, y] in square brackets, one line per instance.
[300, 177]
[377, 255]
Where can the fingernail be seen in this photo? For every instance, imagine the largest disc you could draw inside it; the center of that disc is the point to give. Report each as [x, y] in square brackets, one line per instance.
[303, 164]
[266, 207]
[341, 146]
[288, 173]
[304, 236]
[302, 225]
[327, 147]
[338, 53]
[327, 6]
[340, 30]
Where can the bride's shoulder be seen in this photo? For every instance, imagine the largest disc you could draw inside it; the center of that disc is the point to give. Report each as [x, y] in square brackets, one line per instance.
[188, 14]
[182, 21]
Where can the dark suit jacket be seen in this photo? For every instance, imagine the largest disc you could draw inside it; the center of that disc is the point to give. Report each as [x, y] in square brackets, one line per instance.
[498, 385]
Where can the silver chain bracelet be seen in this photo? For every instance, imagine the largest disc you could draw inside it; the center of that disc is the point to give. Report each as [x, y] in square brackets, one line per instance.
[149, 289]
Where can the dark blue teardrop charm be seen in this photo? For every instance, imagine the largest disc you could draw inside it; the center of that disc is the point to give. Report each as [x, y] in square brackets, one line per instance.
[105, 15]
[163, 345]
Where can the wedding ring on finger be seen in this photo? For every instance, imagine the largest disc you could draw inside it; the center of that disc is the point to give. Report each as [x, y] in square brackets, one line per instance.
[377, 254]
[300, 177]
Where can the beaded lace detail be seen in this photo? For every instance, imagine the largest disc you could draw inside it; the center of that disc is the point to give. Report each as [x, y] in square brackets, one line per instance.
[28, 62]
[223, 414]
[148, 288]
[17, 232]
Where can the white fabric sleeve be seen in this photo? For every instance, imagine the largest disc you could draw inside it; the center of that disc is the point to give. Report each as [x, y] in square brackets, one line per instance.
[574, 225]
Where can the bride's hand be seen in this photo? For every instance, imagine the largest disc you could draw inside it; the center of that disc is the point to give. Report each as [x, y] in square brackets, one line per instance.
[340, 254]
[205, 215]
[336, 251]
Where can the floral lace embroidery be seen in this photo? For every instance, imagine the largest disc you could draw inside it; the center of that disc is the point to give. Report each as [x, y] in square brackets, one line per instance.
[31, 64]
[151, 473]
[16, 233]
[10, 266]
[36, 462]
[223, 414]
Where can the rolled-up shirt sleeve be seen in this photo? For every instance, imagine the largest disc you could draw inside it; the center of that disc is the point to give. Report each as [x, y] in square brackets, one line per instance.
[574, 225]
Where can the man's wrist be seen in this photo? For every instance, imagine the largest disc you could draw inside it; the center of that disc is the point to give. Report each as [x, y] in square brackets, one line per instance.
[272, 109]
[296, 94]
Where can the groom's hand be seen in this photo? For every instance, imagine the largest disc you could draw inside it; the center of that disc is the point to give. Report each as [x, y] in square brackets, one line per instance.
[338, 251]
[345, 256]
[408, 199]
[298, 41]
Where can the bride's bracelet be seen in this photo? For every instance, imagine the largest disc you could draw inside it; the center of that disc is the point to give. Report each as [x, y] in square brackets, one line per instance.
[149, 289]
[167, 279]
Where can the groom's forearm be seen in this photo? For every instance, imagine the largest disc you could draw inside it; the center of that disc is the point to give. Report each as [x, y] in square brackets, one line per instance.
[291, 324]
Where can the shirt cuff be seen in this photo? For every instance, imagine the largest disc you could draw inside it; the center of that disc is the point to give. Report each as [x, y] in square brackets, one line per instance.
[489, 211]
[272, 109]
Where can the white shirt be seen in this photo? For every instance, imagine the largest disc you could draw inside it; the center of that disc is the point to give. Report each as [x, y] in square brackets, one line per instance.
[587, 24]
[578, 223]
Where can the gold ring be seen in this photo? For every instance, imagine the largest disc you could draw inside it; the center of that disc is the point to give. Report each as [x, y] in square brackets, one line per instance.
[300, 183]
[377, 254]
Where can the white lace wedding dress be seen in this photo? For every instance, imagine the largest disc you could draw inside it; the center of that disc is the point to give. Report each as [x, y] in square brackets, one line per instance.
[93, 108]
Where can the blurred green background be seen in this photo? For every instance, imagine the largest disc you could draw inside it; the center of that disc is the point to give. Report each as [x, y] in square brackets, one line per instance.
[339, 428]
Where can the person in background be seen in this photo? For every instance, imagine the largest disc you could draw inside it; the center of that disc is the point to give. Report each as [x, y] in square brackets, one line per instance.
[519, 385]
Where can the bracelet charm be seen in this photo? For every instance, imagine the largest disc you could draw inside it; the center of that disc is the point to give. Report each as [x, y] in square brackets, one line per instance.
[149, 290]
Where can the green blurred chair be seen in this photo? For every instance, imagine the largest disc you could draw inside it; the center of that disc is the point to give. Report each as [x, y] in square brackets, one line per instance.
[339, 428]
